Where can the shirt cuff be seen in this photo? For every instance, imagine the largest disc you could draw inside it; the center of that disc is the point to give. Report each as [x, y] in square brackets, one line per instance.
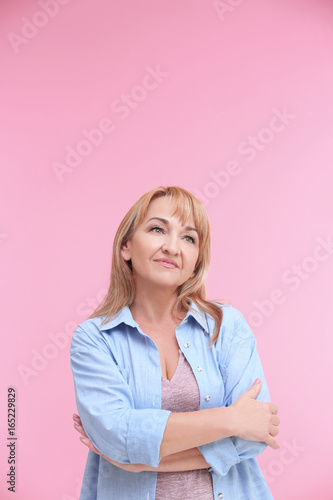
[145, 434]
[226, 452]
[221, 455]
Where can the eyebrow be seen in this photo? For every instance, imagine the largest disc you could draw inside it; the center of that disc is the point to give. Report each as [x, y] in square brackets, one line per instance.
[165, 221]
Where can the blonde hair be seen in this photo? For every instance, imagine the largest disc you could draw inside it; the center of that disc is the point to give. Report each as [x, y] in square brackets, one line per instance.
[121, 291]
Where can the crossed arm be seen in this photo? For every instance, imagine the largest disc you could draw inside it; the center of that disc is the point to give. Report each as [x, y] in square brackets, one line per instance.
[189, 439]
[246, 418]
[184, 460]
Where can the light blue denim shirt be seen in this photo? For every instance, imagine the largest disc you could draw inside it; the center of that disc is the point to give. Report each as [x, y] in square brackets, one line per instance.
[117, 379]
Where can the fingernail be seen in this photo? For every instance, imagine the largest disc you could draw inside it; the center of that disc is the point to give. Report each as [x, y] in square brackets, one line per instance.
[84, 440]
[75, 416]
[76, 424]
[257, 381]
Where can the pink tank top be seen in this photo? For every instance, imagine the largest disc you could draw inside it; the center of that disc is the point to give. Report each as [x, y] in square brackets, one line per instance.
[181, 394]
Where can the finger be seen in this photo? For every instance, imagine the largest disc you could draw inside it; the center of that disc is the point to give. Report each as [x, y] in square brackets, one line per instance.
[80, 429]
[275, 420]
[111, 461]
[273, 408]
[272, 443]
[255, 388]
[274, 430]
[87, 442]
[76, 418]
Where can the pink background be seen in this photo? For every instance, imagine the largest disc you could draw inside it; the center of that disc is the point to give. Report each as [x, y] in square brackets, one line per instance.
[210, 123]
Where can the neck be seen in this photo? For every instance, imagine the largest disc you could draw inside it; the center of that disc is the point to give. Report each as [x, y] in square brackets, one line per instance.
[155, 306]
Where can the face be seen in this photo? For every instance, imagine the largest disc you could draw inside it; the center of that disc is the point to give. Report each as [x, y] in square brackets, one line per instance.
[162, 250]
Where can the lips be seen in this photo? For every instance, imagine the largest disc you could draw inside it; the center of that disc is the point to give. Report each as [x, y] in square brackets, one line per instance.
[171, 264]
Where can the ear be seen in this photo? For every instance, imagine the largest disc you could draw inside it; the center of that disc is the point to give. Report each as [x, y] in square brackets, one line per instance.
[125, 251]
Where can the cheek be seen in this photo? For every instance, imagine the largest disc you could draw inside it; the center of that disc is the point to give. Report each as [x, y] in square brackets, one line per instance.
[192, 258]
[150, 247]
[195, 255]
[141, 253]
[195, 261]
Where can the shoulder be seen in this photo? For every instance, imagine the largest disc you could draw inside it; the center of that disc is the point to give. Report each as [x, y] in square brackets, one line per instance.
[234, 326]
[87, 334]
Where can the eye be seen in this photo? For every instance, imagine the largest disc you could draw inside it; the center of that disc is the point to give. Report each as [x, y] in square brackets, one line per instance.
[189, 238]
[156, 229]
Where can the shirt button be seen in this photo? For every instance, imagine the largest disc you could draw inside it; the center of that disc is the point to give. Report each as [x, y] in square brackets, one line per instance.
[186, 345]
[207, 398]
[220, 495]
[199, 369]
[185, 320]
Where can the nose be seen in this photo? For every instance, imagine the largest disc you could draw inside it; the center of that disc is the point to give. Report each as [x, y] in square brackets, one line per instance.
[171, 244]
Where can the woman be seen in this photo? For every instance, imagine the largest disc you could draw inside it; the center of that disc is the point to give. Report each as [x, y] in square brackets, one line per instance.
[172, 399]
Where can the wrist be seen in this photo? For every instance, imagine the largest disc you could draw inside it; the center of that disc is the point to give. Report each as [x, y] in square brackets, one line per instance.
[227, 421]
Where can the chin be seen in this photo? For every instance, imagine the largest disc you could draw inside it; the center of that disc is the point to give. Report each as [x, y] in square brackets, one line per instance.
[165, 283]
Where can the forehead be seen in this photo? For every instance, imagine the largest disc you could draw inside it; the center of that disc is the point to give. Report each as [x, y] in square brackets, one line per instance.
[166, 208]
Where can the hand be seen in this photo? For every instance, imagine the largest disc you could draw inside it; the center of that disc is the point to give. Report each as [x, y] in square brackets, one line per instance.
[85, 440]
[254, 420]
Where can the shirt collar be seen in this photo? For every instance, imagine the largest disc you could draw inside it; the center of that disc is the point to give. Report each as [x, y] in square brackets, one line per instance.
[125, 316]
[199, 315]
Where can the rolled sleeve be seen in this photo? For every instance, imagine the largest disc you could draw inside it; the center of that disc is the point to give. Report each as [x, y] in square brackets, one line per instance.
[106, 407]
[240, 368]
